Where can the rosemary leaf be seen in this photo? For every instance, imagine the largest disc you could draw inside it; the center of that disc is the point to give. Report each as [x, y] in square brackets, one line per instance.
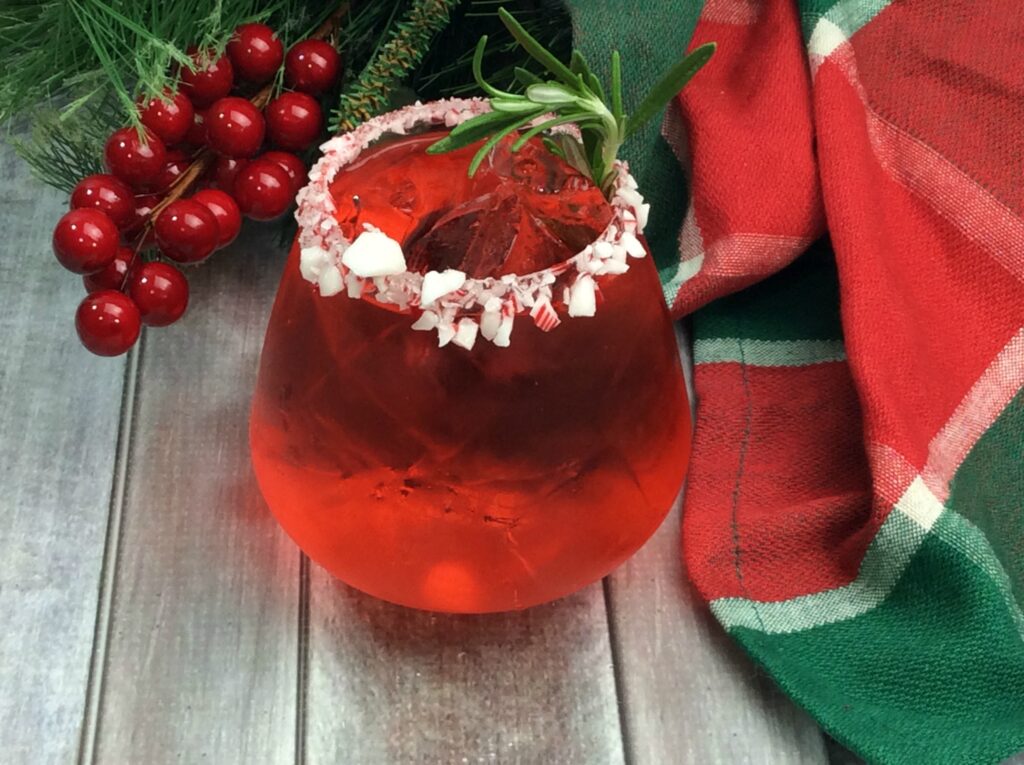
[526, 78]
[669, 86]
[537, 51]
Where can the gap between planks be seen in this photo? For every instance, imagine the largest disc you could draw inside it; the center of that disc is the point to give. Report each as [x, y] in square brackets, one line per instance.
[111, 551]
[615, 650]
[302, 658]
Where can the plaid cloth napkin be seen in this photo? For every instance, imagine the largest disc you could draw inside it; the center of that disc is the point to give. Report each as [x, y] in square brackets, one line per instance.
[855, 510]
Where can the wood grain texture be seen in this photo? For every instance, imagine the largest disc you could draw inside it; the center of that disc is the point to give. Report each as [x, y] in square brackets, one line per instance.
[391, 685]
[202, 656]
[688, 693]
[58, 437]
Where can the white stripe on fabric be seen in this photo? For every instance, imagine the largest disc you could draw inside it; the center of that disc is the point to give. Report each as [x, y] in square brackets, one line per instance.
[920, 505]
[838, 24]
[848, 16]
[825, 38]
[953, 194]
[686, 271]
[984, 402]
[767, 353]
[885, 560]
[691, 252]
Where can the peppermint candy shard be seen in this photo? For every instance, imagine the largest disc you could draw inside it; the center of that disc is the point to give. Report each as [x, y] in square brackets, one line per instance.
[465, 334]
[583, 297]
[544, 315]
[373, 254]
[437, 284]
[330, 282]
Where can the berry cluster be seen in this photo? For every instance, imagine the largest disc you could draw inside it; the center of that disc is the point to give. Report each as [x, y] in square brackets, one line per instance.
[207, 135]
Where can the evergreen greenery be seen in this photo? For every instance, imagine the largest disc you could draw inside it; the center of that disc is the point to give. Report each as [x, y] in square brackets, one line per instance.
[74, 69]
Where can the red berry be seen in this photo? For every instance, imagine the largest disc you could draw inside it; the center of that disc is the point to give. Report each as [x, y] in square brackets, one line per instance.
[294, 120]
[263, 190]
[196, 135]
[225, 171]
[108, 323]
[177, 163]
[160, 291]
[234, 127]
[210, 81]
[312, 66]
[134, 160]
[294, 166]
[186, 231]
[144, 205]
[113, 276]
[85, 241]
[225, 210]
[170, 119]
[256, 53]
[106, 193]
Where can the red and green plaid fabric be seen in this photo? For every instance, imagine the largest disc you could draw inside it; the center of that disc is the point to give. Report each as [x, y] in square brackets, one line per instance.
[855, 509]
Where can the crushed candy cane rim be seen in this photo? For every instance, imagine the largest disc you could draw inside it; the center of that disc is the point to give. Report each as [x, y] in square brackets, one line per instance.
[458, 308]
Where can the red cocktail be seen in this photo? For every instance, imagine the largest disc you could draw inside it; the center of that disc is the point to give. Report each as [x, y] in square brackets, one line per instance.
[534, 451]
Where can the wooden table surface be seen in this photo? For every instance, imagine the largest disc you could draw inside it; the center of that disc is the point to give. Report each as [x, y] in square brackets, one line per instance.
[153, 612]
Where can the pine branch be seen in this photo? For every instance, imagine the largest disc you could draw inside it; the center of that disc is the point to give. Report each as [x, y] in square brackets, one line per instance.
[407, 46]
[74, 70]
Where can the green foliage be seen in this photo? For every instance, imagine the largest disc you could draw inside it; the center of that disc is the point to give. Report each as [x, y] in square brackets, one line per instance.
[407, 44]
[575, 95]
[74, 69]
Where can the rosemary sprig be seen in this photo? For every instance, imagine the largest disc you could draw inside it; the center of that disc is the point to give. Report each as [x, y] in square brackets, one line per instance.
[573, 95]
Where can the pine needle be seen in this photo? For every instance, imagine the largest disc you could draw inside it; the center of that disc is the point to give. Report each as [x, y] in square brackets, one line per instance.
[74, 70]
[406, 46]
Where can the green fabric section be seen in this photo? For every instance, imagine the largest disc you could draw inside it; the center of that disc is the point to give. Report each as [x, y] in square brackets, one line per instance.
[767, 353]
[651, 35]
[801, 302]
[988, 487]
[890, 683]
[848, 15]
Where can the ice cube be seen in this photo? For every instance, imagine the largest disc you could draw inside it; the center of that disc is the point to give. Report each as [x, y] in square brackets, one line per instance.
[520, 213]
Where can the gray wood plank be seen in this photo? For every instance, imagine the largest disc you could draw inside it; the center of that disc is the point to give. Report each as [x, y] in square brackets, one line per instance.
[689, 694]
[393, 685]
[58, 437]
[202, 656]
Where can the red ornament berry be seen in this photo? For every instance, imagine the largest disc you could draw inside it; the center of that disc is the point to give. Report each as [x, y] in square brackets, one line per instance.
[294, 120]
[186, 231]
[108, 323]
[177, 163]
[312, 66]
[135, 161]
[210, 81]
[294, 166]
[160, 291]
[144, 205]
[113, 276]
[225, 171]
[225, 210]
[105, 193]
[263, 190]
[85, 241]
[256, 53]
[234, 127]
[196, 135]
[170, 119]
